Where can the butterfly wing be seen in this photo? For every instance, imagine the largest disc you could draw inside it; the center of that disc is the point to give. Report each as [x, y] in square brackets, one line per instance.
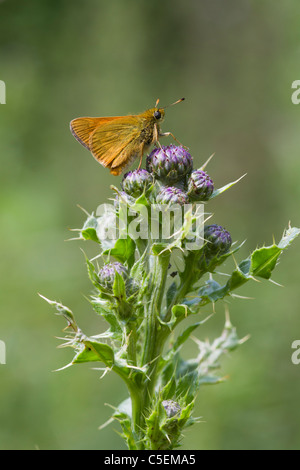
[115, 144]
[83, 127]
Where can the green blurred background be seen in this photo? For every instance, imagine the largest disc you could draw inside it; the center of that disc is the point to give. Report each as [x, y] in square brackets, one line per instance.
[234, 61]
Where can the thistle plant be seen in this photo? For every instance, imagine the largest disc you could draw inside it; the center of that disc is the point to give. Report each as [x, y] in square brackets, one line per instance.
[157, 255]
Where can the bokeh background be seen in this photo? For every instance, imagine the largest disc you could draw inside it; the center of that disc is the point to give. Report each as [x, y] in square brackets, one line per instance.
[234, 61]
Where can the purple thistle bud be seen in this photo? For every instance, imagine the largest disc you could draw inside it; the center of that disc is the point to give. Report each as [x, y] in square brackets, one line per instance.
[171, 407]
[171, 195]
[169, 163]
[107, 274]
[200, 186]
[218, 240]
[136, 182]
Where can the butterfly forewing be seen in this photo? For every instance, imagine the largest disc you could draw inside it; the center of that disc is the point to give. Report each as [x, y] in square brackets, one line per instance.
[82, 128]
[113, 152]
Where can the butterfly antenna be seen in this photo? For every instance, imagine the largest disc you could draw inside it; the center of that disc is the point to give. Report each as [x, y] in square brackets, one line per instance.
[172, 104]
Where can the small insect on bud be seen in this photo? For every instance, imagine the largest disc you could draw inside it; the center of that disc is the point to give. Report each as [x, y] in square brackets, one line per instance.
[169, 164]
[107, 274]
[218, 240]
[171, 195]
[136, 182]
[200, 186]
[171, 407]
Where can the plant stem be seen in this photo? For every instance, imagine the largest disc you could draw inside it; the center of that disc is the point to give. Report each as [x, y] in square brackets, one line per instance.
[155, 336]
[185, 287]
[132, 340]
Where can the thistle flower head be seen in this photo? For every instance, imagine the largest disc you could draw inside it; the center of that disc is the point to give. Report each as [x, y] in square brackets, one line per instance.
[200, 186]
[218, 240]
[169, 164]
[172, 195]
[136, 182]
[107, 274]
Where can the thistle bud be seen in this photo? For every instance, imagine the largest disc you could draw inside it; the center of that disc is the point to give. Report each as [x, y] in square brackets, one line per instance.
[123, 198]
[136, 182]
[218, 240]
[107, 274]
[169, 164]
[200, 186]
[171, 407]
[171, 195]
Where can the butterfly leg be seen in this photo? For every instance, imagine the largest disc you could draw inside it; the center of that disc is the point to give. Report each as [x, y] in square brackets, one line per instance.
[140, 164]
[166, 134]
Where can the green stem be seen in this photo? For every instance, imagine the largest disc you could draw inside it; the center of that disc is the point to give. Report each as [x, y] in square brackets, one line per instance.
[185, 287]
[155, 333]
[132, 341]
[135, 396]
[153, 308]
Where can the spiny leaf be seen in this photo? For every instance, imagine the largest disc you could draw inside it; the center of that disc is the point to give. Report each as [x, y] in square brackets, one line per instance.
[217, 192]
[104, 308]
[89, 229]
[119, 288]
[264, 260]
[91, 271]
[63, 311]
[289, 235]
[123, 251]
[95, 352]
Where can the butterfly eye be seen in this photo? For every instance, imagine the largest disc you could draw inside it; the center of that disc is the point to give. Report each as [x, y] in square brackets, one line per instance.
[157, 114]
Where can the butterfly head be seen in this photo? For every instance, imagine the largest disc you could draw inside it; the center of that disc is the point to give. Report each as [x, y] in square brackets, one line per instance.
[159, 113]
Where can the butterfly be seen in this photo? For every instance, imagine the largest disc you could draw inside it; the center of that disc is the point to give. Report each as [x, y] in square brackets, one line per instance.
[117, 141]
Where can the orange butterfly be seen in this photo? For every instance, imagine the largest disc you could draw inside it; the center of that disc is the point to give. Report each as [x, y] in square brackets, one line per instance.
[118, 140]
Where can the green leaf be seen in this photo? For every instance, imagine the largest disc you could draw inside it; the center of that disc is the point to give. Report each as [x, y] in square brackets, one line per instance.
[212, 291]
[238, 277]
[168, 391]
[92, 271]
[140, 200]
[264, 260]
[119, 288]
[289, 235]
[260, 263]
[181, 310]
[124, 408]
[140, 268]
[63, 311]
[158, 248]
[95, 352]
[90, 234]
[123, 250]
[186, 334]
[104, 309]
[89, 229]
[217, 192]
[171, 292]
[210, 380]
